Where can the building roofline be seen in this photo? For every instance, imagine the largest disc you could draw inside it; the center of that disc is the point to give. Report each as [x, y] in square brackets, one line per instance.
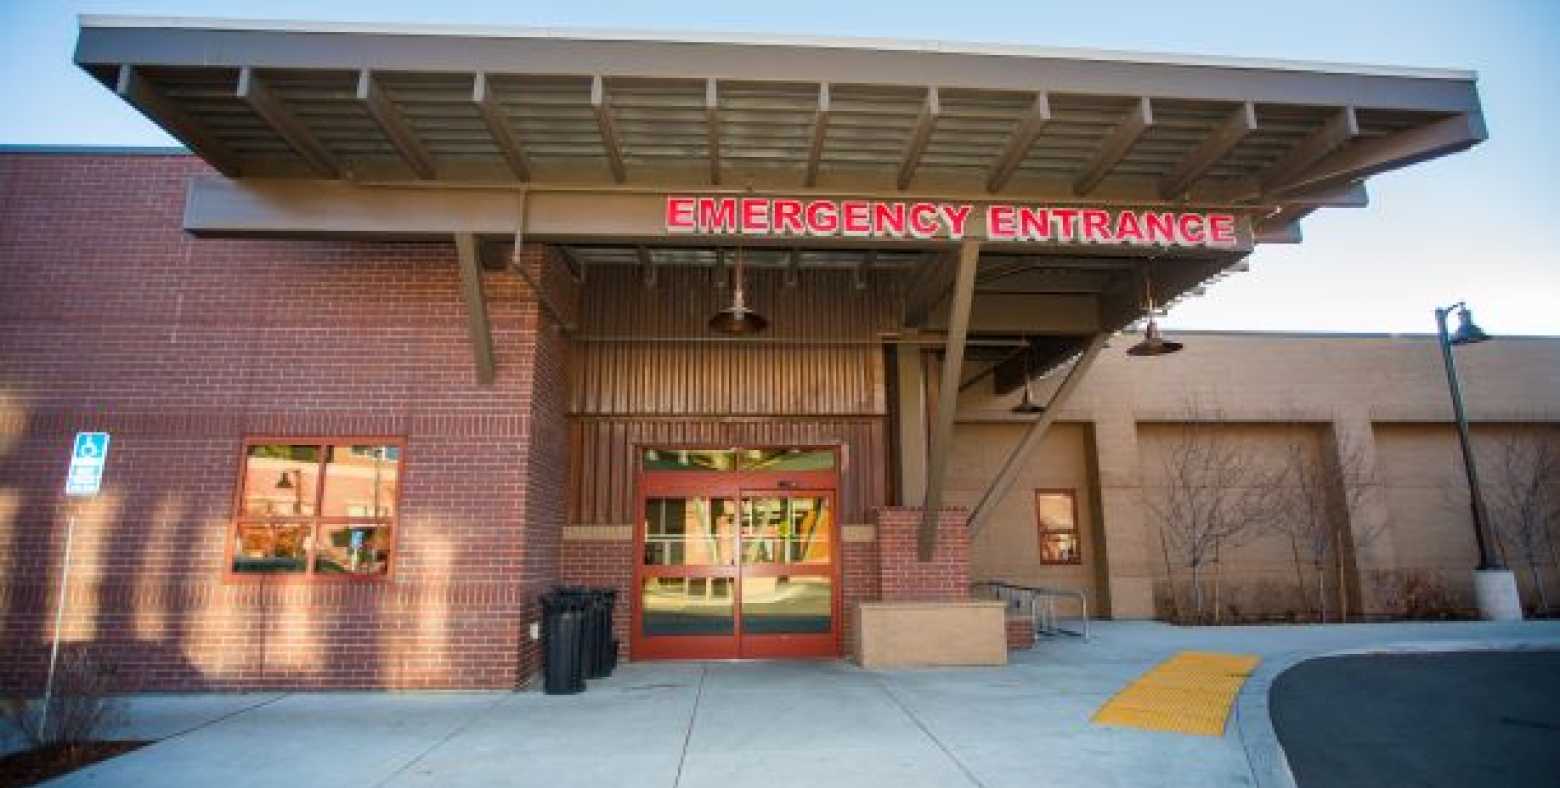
[769, 39]
[96, 150]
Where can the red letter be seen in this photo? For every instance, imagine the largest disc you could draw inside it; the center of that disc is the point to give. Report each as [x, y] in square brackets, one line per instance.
[1034, 224]
[755, 216]
[999, 223]
[1221, 228]
[1191, 236]
[823, 218]
[888, 218]
[956, 216]
[1096, 226]
[856, 217]
[1065, 217]
[788, 217]
[717, 215]
[1161, 228]
[923, 220]
[1128, 228]
[679, 215]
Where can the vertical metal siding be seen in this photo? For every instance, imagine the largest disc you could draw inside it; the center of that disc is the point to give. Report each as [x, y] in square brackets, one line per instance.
[805, 376]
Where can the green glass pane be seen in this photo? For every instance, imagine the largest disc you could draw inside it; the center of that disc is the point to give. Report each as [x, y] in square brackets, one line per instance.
[785, 459]
[688, 460]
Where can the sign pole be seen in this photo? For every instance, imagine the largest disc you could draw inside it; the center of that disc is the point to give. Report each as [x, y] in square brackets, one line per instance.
[59, 620]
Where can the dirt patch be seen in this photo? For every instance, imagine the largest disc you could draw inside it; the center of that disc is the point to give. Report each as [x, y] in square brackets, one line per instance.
[35, 766]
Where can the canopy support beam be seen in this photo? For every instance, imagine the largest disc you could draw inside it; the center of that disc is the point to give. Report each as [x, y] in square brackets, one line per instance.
[948, 397]
[499, 127]
[254, 91]
[1033, 436]
[1116, 146]
[476, 306]
[139, 92]
[394, 125]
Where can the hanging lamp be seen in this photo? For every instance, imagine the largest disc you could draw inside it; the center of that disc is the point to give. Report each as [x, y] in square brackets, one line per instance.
[738, 319]
[1028, 404]
[1154, 343]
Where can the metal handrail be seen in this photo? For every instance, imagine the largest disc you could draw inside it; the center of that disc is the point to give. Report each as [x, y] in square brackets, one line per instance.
[1040, 601]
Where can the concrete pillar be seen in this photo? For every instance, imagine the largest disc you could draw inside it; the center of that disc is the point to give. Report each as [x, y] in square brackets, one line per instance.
[1131, 547]
[1369, 516]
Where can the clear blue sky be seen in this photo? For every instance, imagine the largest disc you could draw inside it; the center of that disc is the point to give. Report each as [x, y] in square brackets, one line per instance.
[1479, 226]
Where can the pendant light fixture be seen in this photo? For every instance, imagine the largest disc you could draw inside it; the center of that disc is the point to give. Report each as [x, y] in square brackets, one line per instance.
[738, 319]
[1153, 344]
[1028, 404]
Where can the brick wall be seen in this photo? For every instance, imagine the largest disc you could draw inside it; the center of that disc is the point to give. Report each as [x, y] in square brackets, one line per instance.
[1020, 631]
[112, 318]
[903, 576]
[603, 557]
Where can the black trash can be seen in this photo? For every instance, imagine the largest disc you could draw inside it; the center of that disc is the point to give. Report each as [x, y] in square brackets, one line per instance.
[609, 644]
[589, 603]
[563, 624]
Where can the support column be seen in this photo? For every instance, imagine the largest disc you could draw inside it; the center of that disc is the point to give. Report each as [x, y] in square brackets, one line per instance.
[1369, 516]
[1134, 555]
[911, 418]
[948, 400]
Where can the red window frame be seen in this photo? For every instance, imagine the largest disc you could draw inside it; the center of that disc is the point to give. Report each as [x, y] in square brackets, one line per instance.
[316, 521]
[1043, 531]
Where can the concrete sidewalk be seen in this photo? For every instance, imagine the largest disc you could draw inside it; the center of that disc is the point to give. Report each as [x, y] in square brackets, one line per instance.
[765, 724]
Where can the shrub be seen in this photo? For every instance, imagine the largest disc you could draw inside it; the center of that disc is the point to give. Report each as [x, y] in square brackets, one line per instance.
[80, 709]
[1415, 594]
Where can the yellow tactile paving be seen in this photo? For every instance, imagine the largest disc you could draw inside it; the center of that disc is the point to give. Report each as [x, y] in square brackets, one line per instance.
[1190, 693]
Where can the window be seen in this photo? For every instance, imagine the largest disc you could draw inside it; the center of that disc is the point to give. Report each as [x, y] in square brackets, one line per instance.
[1057, 513]
[325, 509]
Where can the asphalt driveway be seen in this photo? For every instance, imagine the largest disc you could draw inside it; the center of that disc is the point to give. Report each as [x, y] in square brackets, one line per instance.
[1488, 719]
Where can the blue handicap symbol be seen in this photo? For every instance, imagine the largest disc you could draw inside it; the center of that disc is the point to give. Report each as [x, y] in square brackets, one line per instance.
[91, 445]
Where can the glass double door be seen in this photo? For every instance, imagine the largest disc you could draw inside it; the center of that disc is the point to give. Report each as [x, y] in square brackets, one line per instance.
[736, 574]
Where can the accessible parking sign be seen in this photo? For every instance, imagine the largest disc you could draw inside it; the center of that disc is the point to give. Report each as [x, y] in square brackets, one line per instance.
[86, 464]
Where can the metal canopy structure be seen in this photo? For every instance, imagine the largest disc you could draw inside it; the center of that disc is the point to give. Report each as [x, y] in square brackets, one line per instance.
[579, 140]
[464, 105]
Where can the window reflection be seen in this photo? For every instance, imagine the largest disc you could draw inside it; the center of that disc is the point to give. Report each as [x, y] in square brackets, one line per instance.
[785, 530]
[354, 549]
[271, 547]
[281, 480]
[360, 481]
[785, 459]
[317, 509]
[687, 606]
[688, 460]
[1057, 513]
[689, 531]
[795, 604]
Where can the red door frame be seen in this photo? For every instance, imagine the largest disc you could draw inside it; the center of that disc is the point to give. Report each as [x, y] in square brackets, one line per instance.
[734, 485]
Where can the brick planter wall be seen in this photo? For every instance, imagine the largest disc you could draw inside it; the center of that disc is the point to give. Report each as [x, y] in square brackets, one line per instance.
[112, 318]
[903, 576]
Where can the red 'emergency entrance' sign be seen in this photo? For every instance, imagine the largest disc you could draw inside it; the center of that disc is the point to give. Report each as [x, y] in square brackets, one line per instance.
[821, 218]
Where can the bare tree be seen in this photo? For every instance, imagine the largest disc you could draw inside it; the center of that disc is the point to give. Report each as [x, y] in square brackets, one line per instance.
[1523, 500]
[1318, 486]
[1215, 496]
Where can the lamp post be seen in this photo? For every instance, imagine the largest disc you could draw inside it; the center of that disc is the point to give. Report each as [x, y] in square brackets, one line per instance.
[1494, 585]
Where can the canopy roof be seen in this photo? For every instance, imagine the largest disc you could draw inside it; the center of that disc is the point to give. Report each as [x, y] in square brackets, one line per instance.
[464, 105]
